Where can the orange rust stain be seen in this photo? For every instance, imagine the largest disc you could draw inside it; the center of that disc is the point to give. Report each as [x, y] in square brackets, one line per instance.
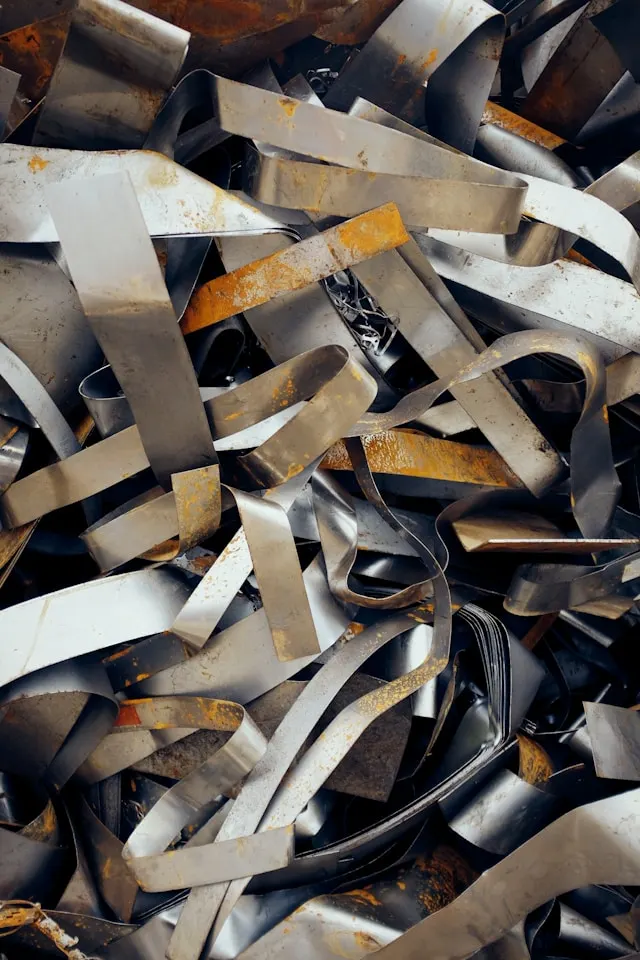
[443, 877]
[412, 454]
[36, 164]
[431, 58]
[578, 258]
[118, 654]
[289, 106]
[535, 763]
[506, 120]
[32, 51]
[364, 896]
[401, 59]
[295, 267]
[127, 716]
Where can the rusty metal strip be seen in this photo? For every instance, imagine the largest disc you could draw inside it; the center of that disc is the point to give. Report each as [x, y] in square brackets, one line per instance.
[294, 267]
[128, 306]
[408, 453]
[110, 99]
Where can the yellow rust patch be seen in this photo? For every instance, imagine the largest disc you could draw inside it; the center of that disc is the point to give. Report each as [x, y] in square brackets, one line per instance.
[535, 763]
[36, 164]
[506, 120]
[411, 454]
[430, 59]
[365, 896]
[289, 106]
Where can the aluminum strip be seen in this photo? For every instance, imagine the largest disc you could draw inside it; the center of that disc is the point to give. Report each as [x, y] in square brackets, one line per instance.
[88, 617]
[607, 854]
[9, 81]
[128, 306]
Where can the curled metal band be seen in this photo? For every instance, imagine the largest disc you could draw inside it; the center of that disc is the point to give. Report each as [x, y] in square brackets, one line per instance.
[197, 864]
[324, 373]
[454, 46]
[116, 67]
[608, 854]
[128, 307]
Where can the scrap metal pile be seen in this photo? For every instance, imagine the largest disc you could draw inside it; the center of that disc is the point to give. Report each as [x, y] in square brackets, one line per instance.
[319, 474]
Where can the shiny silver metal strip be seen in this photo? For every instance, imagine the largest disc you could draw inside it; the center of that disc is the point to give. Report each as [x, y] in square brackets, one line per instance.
[614, 733]
[596, 843]
[115, 69]
[561, 292]
[174, 201]
[88, 617]
[118, 278]
[9, 81]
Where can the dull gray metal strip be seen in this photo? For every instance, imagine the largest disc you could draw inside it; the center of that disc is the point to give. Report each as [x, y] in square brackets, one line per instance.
[118, 278]
[115, 69]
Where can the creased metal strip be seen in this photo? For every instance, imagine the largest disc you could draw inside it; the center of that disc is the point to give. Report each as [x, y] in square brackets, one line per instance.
[607, 853]
[127, 304]
[114, 72]
[548, 587]
[312, 259]
[337, 526]
[143, 852]
[614, 733]
[174, 201]
[9, 81]
[455, 47]
[252, 801]
[88, 617]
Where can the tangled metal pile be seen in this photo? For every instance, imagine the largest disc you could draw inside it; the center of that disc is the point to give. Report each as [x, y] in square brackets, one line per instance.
[319, 476]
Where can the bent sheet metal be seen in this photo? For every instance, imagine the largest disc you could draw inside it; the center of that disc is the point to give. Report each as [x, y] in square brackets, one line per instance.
[319, 479]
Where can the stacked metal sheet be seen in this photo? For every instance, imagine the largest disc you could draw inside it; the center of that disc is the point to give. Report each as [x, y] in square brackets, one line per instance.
[319, 479]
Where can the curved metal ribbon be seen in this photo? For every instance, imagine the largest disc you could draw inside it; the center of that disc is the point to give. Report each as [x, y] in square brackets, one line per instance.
[143, 852]
[607, 853]
[594, 482]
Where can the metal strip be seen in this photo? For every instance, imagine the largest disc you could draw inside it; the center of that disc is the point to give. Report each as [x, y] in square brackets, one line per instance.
[115, 69]
[294, 267]
[128, 306]
[608, 854]
[454, 46]
[88, 617]
[614, 733]
[8, 88]
[398, 281]
[174, 201]
[202, 905]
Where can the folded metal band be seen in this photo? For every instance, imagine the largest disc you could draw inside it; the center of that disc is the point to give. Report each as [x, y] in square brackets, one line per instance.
[118, 278]
[608, 854]
[547, 587]
[136, 58]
